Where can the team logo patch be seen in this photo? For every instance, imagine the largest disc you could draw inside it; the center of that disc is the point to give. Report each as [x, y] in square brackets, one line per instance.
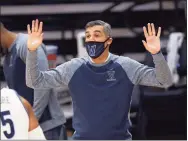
[111, 75]
[92, 50]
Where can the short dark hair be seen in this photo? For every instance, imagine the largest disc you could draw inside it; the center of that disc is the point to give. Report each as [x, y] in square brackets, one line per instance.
[107, 27]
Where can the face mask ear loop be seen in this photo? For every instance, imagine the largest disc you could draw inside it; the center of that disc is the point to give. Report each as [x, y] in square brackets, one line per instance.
[107, 44]
[107, 39]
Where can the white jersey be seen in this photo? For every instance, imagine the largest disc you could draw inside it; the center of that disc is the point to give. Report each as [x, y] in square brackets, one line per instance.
[14, 117]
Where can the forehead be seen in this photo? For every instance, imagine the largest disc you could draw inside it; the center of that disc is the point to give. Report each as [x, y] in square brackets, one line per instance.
[95, 28]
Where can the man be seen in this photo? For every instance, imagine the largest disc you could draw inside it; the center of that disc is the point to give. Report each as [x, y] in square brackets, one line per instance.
[18, 121]
[100, 84]
[44, 101]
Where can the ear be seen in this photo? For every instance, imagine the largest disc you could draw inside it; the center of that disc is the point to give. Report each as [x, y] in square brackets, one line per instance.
[109, 41]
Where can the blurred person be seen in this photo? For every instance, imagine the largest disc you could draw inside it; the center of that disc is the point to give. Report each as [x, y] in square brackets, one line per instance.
[101, 83]
[18, 121]
[44, 102]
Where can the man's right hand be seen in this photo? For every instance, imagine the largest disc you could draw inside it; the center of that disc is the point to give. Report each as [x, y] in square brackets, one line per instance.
[35, 35]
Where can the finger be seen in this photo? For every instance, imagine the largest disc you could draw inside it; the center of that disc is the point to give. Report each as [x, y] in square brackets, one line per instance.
[153, 29]
[28, 29]
[33, 26]
[159, 32]
[36, 25]
[40, 27]
[145, 44]
[145, 32]
[149, 29]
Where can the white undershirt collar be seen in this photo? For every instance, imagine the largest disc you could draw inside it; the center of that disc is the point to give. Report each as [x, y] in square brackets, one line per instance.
[105, 60]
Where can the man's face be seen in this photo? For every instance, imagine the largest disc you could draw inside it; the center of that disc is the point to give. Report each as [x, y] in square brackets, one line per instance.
[95, 33]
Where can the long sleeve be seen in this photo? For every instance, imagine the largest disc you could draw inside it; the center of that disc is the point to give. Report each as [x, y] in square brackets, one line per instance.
[61, 75]
[140, 74]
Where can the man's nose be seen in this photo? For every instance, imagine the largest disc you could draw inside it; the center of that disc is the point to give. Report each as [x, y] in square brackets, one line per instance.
[92, 38]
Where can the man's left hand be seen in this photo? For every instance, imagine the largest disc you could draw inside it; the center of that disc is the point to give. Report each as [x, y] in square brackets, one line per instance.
[152, 43]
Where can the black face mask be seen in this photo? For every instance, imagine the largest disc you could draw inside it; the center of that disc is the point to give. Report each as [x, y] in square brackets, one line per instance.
[94, 48]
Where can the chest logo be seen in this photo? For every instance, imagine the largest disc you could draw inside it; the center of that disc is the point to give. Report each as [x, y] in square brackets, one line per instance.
[111, 75]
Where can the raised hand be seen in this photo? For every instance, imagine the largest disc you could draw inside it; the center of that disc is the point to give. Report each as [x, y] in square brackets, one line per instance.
[152, 43]
[35, 35]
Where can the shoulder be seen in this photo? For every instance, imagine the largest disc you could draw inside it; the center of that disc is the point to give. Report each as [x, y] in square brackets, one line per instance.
[21, 37]
[79, 61]
[21, 41]
[127, 63]
[70, 66]
[120, 59]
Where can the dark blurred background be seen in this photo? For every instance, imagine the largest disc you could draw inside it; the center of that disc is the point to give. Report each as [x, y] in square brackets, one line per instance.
[155, 113]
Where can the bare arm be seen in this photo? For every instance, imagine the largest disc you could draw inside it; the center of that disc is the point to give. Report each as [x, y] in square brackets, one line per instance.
[35, 132]
[33, 122]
